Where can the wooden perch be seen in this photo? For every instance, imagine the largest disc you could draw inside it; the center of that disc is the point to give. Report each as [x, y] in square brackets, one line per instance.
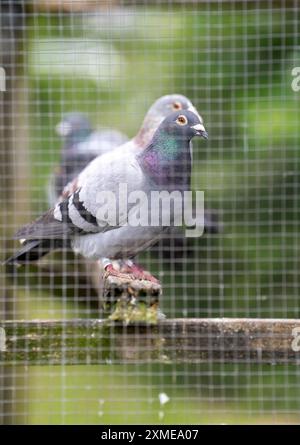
[222, 340]
[70, 6]
[128, 300]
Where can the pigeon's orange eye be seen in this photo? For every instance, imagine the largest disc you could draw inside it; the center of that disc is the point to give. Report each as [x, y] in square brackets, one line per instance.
[177, 106]
[181, 120]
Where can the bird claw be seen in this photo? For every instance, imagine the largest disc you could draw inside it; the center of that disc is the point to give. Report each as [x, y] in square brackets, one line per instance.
[123, 276]
[130, 294]
[138, 273]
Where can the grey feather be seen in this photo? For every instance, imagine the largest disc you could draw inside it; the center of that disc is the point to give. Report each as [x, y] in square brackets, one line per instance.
[46, 226]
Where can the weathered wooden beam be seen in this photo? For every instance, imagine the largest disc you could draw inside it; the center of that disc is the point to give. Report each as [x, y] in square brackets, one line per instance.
[222, 340]
[71, 6]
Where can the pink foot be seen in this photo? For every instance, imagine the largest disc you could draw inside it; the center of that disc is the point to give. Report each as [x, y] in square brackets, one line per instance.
[139, 273]
[110, 270]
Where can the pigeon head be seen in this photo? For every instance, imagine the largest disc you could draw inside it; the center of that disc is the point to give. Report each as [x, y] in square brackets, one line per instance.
[74, 127]
[167, 159]
[165, 105]
[182, 126]
[162, 107]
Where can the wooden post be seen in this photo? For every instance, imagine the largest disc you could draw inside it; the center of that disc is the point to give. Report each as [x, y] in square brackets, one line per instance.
[220, 340]
[130, 300]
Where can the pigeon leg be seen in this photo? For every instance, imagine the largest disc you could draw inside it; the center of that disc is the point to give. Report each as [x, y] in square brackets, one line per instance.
[138, 272]
[112, 270]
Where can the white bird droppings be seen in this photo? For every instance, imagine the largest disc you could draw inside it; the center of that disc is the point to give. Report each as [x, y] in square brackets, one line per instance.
[163, 398]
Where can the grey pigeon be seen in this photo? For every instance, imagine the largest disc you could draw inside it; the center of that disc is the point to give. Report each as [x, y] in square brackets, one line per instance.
[81, 145]
[77, 125]
[164, 164]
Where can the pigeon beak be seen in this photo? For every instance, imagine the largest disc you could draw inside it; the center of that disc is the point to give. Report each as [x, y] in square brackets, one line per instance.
[200, 131]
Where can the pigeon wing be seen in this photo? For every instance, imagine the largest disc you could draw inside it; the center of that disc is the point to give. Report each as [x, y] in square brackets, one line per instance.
[46, 226]
[76, 213]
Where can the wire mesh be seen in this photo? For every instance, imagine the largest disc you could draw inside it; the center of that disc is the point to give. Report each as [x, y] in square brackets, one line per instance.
[111, 61]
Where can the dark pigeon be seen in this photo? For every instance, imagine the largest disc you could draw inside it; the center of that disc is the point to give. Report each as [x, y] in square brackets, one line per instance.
[81, 145]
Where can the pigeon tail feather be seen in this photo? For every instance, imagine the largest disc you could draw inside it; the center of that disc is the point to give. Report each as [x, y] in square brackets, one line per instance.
[32, 250]
[45, 227]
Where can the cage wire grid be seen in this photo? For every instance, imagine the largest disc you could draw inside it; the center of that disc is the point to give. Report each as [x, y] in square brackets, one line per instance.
[111, 61]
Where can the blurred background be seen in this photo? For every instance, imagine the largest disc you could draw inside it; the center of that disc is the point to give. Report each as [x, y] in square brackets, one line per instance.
[111, 60]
